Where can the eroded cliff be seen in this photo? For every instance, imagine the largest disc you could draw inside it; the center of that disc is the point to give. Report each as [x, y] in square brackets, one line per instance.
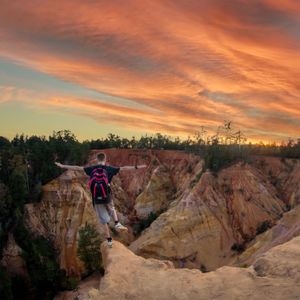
[275, 275]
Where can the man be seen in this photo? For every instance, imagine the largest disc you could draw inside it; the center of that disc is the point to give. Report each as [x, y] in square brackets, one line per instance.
[103, 210]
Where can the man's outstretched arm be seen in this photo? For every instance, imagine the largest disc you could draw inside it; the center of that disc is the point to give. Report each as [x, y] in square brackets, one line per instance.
[73, 168]
[132, 167]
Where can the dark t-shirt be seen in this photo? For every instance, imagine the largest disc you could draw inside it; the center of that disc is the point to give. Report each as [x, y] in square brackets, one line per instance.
[111, 171]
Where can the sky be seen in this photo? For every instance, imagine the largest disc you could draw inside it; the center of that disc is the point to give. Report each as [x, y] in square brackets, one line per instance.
[139, 67]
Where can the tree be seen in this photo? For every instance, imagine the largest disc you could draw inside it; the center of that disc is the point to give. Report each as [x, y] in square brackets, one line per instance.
[89, 247]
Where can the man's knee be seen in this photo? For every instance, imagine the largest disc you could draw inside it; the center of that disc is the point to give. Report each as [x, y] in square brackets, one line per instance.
[103, 214]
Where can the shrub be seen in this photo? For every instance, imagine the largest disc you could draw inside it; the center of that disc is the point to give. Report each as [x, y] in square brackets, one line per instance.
[89, 247]
[70, 283]
[40, 257]
[218, 156]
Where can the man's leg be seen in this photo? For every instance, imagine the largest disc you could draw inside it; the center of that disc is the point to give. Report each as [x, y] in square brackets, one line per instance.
[104, 220]
[113, 212]
[106, 230]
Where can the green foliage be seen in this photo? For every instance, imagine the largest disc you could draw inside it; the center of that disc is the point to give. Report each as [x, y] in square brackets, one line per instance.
[6, 212]
[18, 188]
[25, 164]
[89, 247]
[218, 156]
[70, 283]
[145, 223]
[42, 266]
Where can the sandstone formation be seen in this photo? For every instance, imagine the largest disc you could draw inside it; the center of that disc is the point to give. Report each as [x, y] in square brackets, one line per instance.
[275, 275]
[285, 229]
[66, 203]
[284, 174]
[85, 287]
[157, 195]
[205, 218]
[64, 209]
[179, 165]
[210, 218]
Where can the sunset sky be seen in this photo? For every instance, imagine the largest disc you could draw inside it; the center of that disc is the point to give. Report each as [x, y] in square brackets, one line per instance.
[133, 67]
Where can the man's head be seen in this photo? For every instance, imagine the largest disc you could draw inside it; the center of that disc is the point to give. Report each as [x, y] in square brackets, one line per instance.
[101, 158]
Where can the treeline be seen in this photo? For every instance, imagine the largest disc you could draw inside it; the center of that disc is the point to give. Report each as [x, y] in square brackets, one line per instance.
[225, 146]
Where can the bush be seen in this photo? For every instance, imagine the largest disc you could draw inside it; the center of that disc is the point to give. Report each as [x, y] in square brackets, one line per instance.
[218, 156]
[89, 248]
[70, 283]
[40, 256]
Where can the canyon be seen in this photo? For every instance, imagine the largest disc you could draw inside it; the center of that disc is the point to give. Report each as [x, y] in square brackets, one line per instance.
[204, 221]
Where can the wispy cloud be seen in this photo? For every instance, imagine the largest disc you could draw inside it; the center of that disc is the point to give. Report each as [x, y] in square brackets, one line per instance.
[12, 93]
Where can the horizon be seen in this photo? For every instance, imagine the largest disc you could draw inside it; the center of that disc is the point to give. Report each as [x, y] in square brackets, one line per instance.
[137, 137]
[165, 67]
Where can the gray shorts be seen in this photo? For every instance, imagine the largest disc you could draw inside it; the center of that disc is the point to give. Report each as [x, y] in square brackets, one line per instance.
[104, 211]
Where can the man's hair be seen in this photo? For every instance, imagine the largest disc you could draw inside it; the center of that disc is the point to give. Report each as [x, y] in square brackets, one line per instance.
[101, 156]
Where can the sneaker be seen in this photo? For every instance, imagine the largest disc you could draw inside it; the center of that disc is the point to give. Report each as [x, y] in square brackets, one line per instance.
[119, 227]
[109, 243]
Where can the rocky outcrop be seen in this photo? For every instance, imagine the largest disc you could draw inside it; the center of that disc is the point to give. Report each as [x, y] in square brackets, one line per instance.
[284, 230]
[284, 174]
[215, 216]
[157, 195]
[205, 215]
[64, 209]
[178, 165]
[84, 288]
[66, 205]
[275, 275]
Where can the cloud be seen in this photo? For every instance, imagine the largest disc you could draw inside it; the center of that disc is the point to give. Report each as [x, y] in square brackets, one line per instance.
[12, 93]
[188, 63]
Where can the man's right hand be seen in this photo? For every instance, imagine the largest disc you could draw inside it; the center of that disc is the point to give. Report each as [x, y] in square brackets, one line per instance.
[59, 164]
